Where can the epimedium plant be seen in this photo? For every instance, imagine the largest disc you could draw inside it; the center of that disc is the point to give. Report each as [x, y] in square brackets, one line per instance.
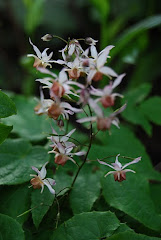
[73, 197]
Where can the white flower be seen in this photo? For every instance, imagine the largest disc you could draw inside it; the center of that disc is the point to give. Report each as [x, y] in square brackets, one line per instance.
[43, 105]
[119, 170]
[39, 180]
[97, 68]
[107, 97]
[63, 149]
[42, 59]
[62, 108]
[59, 85]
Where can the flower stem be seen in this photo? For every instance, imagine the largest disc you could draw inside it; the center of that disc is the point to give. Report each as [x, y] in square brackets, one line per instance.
[85, 158]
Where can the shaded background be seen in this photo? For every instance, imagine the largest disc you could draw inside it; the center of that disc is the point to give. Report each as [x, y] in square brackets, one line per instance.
[133, 26]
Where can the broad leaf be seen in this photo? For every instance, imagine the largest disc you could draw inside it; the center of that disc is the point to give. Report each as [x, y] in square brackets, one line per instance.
[15, 200]
[10, 229]
[4, 132]
[152, 110]
[40, 204]
[85, 191]
[132, 197]
[7, 106]
[93, 225]
[123, 141]
[26, 123]
[16, 159]
[131, 236]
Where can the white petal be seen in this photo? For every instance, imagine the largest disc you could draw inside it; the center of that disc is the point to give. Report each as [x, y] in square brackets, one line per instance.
[129, 170]
[136, 160]
[104, 163]
[66, 137]
[51, 181]
[91, 75]
[108, 71]
[88, 119]
[36, 169]
[71, 49]
[35, 49]
[95, 107]
[94, 53]
[103, 56]
[121, 109]
[62, 76]
[111, 172]
[43, 171]
[118, 81]
[117, 161]
[49, 186]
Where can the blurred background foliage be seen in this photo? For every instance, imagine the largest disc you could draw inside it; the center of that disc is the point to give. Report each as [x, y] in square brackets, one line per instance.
[133, 26]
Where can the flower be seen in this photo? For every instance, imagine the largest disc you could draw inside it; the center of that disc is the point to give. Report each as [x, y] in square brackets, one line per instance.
[62, 148]
[97, 68]
[42, 59]
[103, 123]
[58, 85]
[119, 170]
[107, 98]
[43, 105]
[39, 180]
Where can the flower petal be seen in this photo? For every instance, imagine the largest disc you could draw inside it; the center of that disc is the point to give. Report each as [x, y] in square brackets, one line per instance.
[136, 160]
[43, 171]
[49, 186]
[104, 163]
[35, 49]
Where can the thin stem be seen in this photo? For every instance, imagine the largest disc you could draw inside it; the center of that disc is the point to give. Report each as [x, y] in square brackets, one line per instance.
[58, 214]
[60, 38]
[85, 158]
[61, 135]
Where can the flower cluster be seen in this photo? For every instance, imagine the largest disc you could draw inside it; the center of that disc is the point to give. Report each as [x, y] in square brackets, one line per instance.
[80, 70]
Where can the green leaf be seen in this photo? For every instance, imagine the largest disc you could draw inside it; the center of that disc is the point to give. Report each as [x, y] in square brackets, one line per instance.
[152, 110]
[122, 228]
[16, 159]
[15, 200]
[93, 225]
[4, 132]
[40, 203]
[133, 198]
[10, 229]
[85, 191]
[124, 141]
[133, 112]
[26, 123]
[131, 236]
[131, 33]
[7, 106]
[155, 190]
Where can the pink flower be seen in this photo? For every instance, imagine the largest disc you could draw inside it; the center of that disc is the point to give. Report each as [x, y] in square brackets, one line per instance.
[39, 180]
[63, 149]
[103, 123]
[119, 170]
[107, 98]
[97, 68]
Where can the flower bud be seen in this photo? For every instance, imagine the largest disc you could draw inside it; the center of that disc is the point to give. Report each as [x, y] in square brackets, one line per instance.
[90, 41]
[47, 37]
